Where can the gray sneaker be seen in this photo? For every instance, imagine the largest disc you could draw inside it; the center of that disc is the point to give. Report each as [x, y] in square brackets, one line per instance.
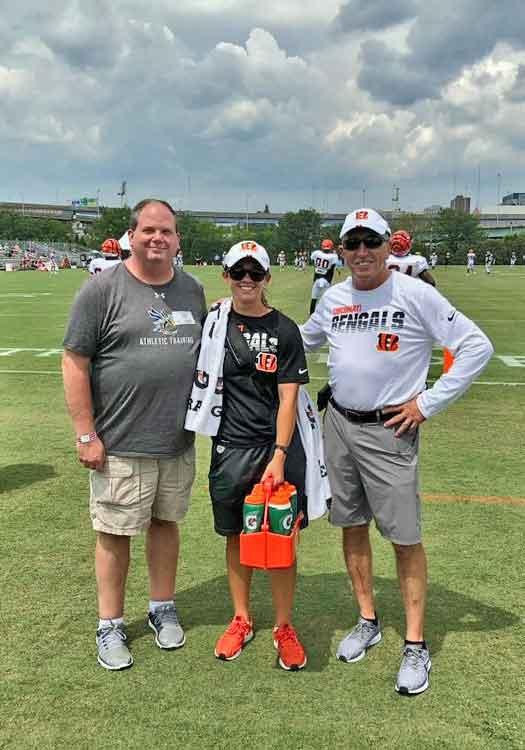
[168, 631]
[354, 646]
[112, 650]
[412, 677]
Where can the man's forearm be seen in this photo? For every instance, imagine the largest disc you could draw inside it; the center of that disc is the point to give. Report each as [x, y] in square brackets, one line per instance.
[468, 363]
[77, 390]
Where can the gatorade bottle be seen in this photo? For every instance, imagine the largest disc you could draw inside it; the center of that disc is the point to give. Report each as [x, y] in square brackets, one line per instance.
[280, 513]
[292, 494]
[253, 510]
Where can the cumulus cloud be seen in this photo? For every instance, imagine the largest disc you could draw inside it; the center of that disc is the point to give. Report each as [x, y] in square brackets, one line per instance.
[281, 100]
[517, 92]
[387, 77]
[359, 15]
[440, 43]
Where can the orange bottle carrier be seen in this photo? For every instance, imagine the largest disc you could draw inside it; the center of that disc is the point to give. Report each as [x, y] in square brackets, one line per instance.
[264, 549]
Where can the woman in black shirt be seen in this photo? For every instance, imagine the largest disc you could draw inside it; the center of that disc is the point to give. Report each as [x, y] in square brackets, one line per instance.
[257, 439]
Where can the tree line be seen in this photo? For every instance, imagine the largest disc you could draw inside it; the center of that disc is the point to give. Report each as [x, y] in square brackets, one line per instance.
[17, 226]
[449, 231]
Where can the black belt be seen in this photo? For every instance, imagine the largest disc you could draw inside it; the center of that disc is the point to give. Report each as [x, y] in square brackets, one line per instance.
[362, 417]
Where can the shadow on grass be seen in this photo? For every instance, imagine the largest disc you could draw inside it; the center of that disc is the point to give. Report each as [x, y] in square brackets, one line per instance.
[14, 476]
[324, 605]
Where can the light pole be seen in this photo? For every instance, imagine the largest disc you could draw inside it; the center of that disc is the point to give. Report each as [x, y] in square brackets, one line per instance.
[499, 196]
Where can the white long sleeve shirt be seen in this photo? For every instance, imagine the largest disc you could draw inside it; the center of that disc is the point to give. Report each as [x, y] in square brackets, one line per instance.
[380, 344]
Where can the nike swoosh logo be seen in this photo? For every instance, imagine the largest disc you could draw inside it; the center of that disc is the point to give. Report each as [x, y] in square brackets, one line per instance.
[302, 372]
[451, 317]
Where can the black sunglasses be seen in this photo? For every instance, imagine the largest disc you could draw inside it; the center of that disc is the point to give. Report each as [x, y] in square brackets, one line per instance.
[371, 242]
[255, 274]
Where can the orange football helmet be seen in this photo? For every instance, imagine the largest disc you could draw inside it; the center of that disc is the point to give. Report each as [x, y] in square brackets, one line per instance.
[401, 243]
[111, 247]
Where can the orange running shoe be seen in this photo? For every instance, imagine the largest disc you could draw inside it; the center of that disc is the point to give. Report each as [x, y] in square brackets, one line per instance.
[292, 655]
[238, 633]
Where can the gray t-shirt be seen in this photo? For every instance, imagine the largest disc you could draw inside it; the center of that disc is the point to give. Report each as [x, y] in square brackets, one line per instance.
[143, 342]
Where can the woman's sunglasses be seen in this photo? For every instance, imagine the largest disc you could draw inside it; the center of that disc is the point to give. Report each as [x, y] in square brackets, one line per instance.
[371, 242]
[239, 273]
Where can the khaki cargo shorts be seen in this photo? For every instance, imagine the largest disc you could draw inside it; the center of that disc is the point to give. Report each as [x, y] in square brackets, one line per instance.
[129, 492]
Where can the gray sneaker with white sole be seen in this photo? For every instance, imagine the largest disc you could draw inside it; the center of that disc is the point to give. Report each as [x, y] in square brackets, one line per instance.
[113, 653]
[363, 636]
[168, 631]
[412, 677]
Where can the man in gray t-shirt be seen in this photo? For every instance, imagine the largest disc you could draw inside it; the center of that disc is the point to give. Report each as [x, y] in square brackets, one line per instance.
[131, 349]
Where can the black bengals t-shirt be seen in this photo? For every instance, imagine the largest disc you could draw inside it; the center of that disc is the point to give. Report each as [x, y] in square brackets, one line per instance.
[250, 395]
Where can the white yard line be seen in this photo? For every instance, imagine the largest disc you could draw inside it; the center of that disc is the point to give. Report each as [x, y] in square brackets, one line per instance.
[25, 295]
[30, 372]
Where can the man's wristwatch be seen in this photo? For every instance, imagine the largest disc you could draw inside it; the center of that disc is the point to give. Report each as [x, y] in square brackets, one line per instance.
[283, 448]
[89, 437]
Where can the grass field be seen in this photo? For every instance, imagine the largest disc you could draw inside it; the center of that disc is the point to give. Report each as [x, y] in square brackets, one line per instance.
[53, 694]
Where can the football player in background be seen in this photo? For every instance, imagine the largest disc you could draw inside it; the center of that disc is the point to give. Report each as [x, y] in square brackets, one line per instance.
[471, 261]
[402, 260]
[324, 262]
[281, 260]
[52, 265]
[112, 255]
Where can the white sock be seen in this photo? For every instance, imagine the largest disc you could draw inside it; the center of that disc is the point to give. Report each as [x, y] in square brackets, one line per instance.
[153, 605]
[102, 623]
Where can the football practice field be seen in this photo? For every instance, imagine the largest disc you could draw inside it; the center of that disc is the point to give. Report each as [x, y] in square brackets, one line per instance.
[54, 695]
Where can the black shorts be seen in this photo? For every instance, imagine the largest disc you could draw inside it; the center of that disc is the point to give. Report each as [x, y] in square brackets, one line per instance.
[235, 469]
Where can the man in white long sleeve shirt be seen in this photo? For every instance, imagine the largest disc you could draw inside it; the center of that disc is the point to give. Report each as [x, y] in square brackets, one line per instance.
[380, 328]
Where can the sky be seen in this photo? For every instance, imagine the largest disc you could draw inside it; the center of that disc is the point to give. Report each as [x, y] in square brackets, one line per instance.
[235, 104]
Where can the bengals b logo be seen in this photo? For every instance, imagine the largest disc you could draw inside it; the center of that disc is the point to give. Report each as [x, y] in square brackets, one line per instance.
[387, 342]
[266, 362]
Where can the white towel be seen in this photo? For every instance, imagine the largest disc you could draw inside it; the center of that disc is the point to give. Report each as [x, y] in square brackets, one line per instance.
[205, 404]
[317, 486]
[205, 408]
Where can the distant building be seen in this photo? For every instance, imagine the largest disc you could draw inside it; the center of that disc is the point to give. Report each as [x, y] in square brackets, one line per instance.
[461, 203]
[432, 210]
[514, 199]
